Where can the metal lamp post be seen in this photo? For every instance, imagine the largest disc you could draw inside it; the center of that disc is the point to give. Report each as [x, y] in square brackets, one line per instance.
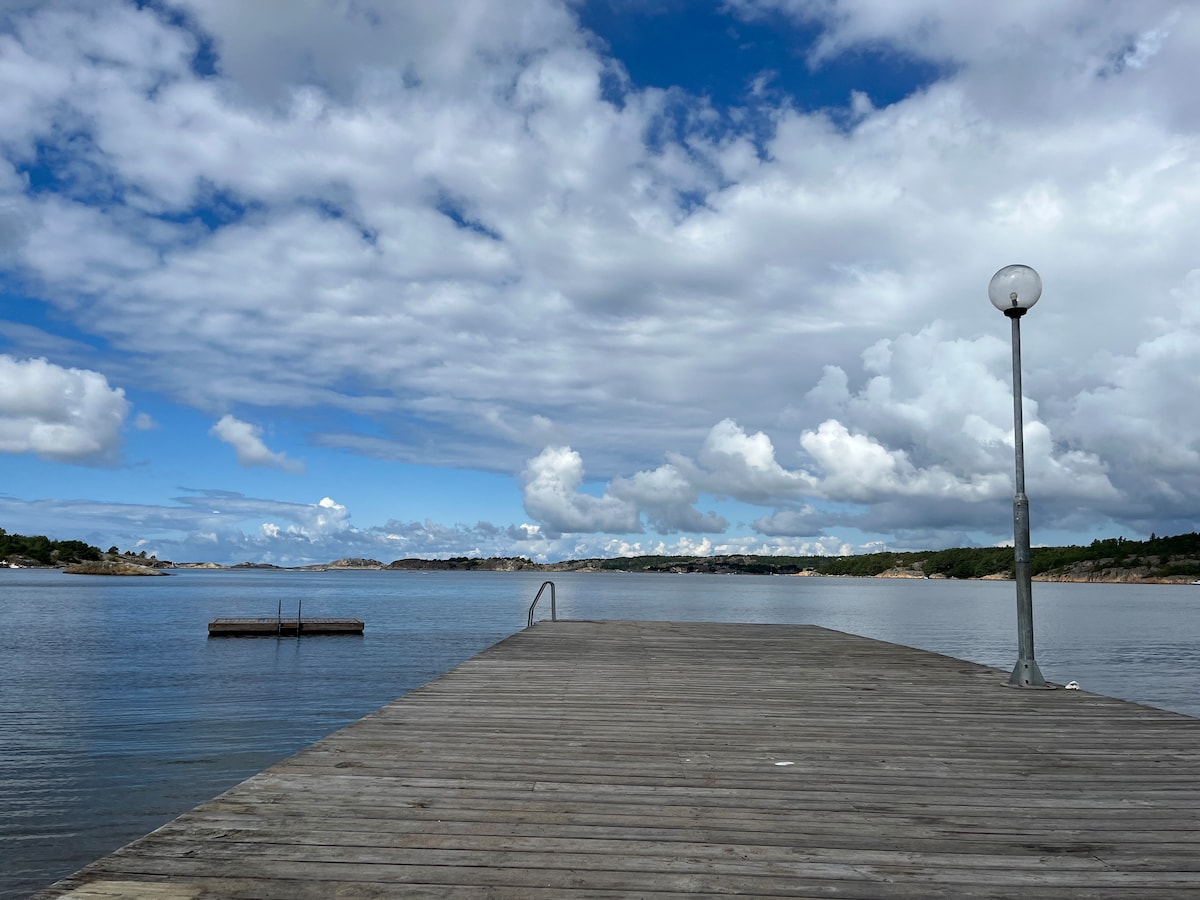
[1013, 290]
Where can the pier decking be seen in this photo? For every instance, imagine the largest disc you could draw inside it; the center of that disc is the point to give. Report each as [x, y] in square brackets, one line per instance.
[637, 759]
[270, 627]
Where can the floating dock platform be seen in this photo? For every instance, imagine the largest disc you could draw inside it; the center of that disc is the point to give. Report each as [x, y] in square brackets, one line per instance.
[274, 627]
[641, 759]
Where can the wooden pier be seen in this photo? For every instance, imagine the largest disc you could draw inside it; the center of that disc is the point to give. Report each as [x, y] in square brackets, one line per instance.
[293, 627]
[637, 759]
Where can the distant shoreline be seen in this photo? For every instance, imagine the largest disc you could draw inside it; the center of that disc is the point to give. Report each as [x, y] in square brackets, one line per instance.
[1159, 560]
[166, 568]
[1107, 577]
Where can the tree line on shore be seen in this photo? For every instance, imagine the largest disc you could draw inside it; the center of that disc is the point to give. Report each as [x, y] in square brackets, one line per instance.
[41, 550]
[1111, 559]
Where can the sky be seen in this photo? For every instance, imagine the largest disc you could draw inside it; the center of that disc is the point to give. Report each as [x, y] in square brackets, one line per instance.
[296, 280]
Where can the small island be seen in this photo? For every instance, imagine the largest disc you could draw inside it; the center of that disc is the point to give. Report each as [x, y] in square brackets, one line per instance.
[111, 567]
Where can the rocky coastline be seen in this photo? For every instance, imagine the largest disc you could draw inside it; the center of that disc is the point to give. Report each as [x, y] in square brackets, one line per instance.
[1173, 560]
[699, 565]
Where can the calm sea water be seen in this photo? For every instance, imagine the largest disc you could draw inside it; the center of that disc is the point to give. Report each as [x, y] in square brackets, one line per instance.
[117, 713]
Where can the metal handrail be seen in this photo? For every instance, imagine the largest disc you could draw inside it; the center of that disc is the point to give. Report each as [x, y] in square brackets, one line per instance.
[553, 605]
[279, 616]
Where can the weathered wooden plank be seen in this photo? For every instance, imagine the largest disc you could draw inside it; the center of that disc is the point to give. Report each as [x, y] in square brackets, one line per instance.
[281, 889]
[474, 866]
[783, 792]
[615, 759]
[315, 841]
[637, 833]
[746, 774]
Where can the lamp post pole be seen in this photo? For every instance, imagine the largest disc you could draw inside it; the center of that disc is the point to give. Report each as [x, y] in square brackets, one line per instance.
[1013, 290]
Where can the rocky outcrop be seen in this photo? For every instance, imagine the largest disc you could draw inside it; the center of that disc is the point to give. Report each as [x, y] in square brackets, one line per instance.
[112, 567]
[355, 562]
[1139, 570]
[467, 564]
[23, 562]
[1139, 575]
[902, 572]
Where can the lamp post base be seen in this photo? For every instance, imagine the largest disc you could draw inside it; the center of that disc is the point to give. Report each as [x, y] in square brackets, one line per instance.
[1027, 674]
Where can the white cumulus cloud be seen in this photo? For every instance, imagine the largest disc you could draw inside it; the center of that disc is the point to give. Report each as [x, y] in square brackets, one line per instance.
[667, 498]
[552, 480]
[60, 414]
[246, 440]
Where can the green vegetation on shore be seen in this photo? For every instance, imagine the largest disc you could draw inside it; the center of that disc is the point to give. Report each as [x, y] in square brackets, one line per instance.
[1116, 559]
[1159, 559]
[42, 551]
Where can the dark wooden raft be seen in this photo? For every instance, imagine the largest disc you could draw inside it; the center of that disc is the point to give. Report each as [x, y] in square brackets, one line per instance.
[268, 627]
